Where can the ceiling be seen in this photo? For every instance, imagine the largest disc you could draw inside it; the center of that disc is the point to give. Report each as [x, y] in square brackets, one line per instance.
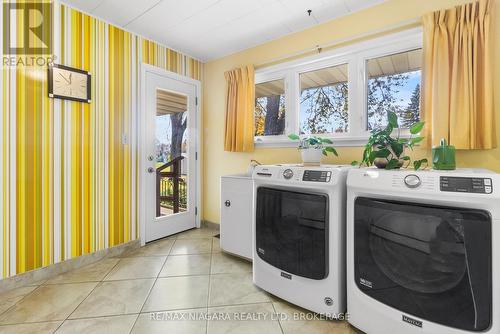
[210, 29]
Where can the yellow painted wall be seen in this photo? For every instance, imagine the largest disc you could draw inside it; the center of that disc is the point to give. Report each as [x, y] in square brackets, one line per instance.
[217, 162]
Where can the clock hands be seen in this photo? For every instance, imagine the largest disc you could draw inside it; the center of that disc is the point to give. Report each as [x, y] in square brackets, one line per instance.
[62, 76]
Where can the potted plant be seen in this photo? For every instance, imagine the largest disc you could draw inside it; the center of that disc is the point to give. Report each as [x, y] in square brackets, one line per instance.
[312, 148]
[385, 151]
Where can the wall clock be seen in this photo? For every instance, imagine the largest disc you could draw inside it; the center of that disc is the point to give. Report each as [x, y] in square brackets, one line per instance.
[69, 83]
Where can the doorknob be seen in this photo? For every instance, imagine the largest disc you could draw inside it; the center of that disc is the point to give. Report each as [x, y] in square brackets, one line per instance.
[151, 170]
[227, 203]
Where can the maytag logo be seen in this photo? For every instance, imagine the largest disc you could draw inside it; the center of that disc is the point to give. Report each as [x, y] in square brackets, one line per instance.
[412, 321]
[366, 282]
[285, 275]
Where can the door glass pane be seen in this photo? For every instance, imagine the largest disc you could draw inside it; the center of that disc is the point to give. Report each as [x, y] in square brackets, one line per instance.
[324, 101]
[292, 231]
[394, 85]
[270, 108]
[171, 153]
[430, 262]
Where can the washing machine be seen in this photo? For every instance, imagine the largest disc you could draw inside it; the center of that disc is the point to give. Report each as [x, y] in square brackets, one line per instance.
[299, 235]
[421, 251]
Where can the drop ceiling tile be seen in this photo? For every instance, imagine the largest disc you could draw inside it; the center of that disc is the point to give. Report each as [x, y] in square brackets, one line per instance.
[84, 5]
[167, 14]
[356, 5]
[331, 10]
[121, 12]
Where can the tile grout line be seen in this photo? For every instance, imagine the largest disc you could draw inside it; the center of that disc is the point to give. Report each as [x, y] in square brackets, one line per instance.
[95, 287]
[20, 300]
[209, 280]
[44, 285]
[150, 290]
[279, 321]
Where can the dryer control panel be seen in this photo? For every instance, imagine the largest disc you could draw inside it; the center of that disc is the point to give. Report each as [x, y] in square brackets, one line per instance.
[466, 184]
[317, 176]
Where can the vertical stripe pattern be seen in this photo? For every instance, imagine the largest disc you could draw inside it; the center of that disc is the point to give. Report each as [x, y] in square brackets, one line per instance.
[69, 170]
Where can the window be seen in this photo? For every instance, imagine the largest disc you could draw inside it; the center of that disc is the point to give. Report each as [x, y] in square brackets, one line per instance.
[270, 108]
[323, 101]
[341, 94]
[394, 85]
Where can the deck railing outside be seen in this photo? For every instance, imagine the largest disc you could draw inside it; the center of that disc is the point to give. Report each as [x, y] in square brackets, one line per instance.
[170, 186]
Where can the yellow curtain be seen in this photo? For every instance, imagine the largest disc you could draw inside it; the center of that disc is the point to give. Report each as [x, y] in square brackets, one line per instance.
[240, 105]
[457, 84]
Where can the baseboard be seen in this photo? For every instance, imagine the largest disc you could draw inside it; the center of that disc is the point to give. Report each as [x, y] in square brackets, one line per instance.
[34, 277]
[209, 224]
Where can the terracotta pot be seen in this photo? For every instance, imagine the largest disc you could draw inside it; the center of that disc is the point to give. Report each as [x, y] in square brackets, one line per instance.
[311, 156]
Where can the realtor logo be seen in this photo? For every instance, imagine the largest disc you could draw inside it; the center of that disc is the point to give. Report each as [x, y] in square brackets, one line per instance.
[27, 28]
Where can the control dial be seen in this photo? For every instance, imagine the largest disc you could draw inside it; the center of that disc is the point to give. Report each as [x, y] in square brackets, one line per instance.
[412, 181]
[288, 173]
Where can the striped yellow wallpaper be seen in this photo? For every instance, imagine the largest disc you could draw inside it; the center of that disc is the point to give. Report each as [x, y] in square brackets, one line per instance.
[68, 177]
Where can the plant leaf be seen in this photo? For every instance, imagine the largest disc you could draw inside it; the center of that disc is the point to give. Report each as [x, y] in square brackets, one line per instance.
[393, 163]
[354, 163]
[372, 156]
[397, 148]
[418, 163]
[416, 140]
[331, 149]
[405, 158]
[324, 151]
[293, 136]
[392, 119]
[416, 128]
[382, 153]
[326, 141]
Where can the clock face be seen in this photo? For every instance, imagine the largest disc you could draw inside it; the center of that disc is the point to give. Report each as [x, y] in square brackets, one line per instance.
[71, 84]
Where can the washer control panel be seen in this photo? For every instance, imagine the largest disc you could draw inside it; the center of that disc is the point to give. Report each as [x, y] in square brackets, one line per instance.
[317, 176]
[466, 184]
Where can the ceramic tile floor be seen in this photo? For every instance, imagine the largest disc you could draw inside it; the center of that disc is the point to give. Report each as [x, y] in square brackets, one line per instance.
[169, 286]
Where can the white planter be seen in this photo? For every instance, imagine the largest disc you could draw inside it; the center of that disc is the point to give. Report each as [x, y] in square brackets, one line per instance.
[311, 156]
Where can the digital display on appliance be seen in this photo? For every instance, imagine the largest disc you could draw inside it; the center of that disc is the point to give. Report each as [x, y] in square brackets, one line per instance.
[317, 176]
[466, 185]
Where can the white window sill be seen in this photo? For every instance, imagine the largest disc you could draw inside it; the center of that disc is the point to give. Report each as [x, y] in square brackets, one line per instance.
[348, 141]
[283, 143]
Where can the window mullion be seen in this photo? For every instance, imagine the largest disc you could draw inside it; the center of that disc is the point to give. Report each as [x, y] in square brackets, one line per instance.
[292, 103]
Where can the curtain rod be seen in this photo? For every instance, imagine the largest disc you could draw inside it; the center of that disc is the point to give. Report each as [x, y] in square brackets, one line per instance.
[319, 48]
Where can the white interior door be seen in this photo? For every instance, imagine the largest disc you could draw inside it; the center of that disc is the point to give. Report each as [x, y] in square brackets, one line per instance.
[169, 154]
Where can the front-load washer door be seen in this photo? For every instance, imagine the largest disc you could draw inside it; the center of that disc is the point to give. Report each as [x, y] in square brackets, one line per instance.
[428, 261]
[291, 231]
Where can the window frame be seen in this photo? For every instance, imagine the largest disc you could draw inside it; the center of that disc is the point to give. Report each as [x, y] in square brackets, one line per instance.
[356, 57]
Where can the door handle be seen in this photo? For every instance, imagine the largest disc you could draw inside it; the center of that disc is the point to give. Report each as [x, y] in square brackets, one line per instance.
[227, 203]
[151, 170]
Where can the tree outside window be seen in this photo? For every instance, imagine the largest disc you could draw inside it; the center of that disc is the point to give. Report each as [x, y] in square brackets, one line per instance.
[270, 108]
[324, 101]
[394, 85]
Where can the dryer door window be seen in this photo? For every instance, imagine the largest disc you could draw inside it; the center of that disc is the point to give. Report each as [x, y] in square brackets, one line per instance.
[292, 231]
[427, 261]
